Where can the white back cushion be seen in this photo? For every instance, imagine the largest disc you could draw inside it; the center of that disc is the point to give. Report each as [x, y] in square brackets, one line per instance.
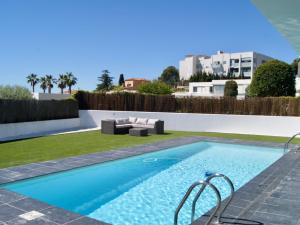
[132, 119]
[122, 121]
[152, 121]
[141, 121]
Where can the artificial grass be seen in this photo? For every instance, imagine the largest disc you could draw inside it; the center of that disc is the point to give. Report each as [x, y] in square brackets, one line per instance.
[66, 145]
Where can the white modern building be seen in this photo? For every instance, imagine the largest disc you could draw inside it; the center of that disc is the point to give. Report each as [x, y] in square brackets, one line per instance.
[241, 63]
[215, 88]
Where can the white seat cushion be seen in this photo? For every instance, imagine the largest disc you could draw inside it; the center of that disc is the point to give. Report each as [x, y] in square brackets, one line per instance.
[124, 126]
[141, 126]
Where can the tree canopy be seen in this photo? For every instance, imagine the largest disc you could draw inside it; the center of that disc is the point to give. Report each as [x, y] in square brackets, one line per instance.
[155, 88]
[295, 65]
[14, 92]
[170, 75]
[105, 82]
[121, 79]
[32, 79]
[273, 78]
[231, 88]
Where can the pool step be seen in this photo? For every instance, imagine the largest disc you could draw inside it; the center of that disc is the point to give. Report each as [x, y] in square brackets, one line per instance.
[204, 184]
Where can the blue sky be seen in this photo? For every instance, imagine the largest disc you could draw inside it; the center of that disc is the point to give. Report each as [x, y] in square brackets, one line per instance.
[136, 37]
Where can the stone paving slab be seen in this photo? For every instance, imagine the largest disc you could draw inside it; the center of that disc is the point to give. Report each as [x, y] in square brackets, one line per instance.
[12, 205]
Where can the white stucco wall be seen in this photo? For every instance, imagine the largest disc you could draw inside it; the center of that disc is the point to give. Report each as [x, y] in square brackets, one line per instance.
[13, 131]
[55, 96]
[260, 125]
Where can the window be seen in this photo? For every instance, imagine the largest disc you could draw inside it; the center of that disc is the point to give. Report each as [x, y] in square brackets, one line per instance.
[246, 69]
[246, 60]
[219, 89]
[211, 90]
[234, 61]
[194, 89]
[224, 62]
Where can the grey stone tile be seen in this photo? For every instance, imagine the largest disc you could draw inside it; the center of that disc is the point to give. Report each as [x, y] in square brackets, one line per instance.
[52, 163]
[60, 216]
[232, 211]
[47, 170]
[29, 204]
[86, 221]
[268, 218]
[8, 174]
[7, 196]
[4, 180]
[240, 202]
[20, 169]
[284, 209]
[39, 221]
[8, 212]
[286, 196]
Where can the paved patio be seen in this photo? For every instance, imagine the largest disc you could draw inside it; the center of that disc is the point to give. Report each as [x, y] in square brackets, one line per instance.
[270, 198]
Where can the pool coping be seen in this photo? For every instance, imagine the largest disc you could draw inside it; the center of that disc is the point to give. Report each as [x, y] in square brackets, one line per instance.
[12, 204]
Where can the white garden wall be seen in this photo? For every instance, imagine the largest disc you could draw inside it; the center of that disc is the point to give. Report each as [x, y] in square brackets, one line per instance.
[12, 131]
[242, 124]
[52, 96]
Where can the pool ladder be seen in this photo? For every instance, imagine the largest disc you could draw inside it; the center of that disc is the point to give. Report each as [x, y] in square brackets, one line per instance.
[204, 184]
[286, 146]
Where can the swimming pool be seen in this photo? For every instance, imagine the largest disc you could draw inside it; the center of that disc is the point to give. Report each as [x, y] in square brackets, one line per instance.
[147, 188]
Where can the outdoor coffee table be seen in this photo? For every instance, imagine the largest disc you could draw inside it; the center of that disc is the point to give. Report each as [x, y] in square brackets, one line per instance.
[138, 132]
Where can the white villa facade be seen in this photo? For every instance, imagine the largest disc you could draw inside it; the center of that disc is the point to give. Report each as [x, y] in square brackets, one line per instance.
[215, 88]
[241, 63]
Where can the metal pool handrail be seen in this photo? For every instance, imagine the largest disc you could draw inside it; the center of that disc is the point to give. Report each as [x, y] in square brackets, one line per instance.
[286, 145]
[202, 189]
[187, 194]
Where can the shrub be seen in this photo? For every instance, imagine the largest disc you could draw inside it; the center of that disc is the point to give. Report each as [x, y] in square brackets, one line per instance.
[273, 78]
[231, 88]
[118, 88]
[155, 88]
[15, 92]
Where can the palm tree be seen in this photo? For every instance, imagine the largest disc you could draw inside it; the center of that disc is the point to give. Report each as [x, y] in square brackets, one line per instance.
[71, 80]
[43, 84]
[50, 81]
[32, 79]
[62, 82]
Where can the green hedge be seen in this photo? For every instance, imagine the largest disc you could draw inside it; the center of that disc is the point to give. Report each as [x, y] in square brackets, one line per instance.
[14, 111]
[271, 106]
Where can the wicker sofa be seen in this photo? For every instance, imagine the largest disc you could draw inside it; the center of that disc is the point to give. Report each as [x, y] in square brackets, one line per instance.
[122, 126]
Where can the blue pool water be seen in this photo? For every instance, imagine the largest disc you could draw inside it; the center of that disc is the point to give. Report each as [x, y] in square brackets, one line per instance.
[146, 189]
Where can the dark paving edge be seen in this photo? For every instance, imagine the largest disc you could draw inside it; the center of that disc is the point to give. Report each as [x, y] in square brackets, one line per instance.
[12, 204]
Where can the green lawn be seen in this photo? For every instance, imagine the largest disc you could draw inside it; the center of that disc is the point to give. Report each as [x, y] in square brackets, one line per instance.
[61, 146]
